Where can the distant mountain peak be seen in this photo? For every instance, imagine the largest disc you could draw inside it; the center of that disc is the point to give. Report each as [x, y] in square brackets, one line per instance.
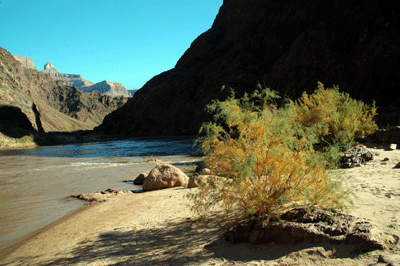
[73, 79]
[109, 88]
[49, 66]
[105, 87]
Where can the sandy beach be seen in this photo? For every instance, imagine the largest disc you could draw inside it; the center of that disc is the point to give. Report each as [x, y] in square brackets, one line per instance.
[158, 228]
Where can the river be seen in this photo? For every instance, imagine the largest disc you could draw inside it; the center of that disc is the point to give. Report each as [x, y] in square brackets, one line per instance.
[35, 183]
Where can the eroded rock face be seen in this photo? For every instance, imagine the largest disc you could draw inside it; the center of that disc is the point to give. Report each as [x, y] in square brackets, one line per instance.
[113, 89]
[72, 79]
[14, 98]
[299, 226]
[41, 104]
[49, 67]
[165, 176]
[87, 110]
[26, 63]
[286, 45]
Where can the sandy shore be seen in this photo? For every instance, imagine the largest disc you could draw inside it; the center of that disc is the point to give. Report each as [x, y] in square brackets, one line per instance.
[158, 228]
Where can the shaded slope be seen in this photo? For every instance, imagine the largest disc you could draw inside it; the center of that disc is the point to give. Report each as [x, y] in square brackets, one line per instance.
[15, 100]
[287, 45]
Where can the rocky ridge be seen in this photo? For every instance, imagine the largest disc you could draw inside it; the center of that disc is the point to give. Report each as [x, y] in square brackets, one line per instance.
[108, 88]
[26, 63]
[71, 101]
[31, 101]
[113, 89]
[286, 45]
[17, 109]
[72, 79]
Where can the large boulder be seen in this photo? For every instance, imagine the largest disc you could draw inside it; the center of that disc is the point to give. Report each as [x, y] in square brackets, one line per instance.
[140, 179]
[165, 176]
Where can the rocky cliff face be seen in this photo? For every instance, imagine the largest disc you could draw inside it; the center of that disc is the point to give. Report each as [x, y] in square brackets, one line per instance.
[287, 45]
[26, 63]
[72, 79]
[112, 89]
[89, 109]
[36, 102]
[17, 117]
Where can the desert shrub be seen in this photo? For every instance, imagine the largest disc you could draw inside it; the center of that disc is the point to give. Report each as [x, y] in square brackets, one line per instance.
[331, 120]
[261, 165]
[24, 140]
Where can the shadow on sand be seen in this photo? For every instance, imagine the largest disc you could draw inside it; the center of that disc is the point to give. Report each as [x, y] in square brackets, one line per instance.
[177, 243]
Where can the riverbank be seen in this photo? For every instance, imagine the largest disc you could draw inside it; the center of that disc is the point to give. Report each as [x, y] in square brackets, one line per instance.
[38, 139]
[158, 228]
[35, 183]
[16, 143]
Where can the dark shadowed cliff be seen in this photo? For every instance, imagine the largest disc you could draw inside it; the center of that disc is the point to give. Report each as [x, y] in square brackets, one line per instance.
[287, 45]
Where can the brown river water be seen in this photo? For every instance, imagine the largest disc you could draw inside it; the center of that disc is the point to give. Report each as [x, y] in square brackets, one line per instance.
[35, 183]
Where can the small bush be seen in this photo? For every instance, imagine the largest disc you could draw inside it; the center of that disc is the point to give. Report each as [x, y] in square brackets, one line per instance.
[262, 164]
[25, 140]
[332, 120]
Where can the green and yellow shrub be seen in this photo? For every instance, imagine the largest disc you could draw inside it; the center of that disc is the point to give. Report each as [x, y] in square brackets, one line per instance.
[7, 142]
[332, 120]
[261, 162]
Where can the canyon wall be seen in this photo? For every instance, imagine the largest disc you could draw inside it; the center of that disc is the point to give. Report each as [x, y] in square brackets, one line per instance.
[286, 45]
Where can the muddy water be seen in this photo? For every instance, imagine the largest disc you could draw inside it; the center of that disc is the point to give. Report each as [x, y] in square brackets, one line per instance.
[35, 184]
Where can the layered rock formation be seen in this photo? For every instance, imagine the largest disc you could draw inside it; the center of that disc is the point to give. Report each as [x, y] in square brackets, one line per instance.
[113, 89]
[71, 101]
[109, 88]
[16, 106]
[287, 45]
[31, 101]
[72, 79]
[26, 63]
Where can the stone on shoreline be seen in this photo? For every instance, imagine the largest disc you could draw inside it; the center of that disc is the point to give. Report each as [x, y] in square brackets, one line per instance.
[299, 226]
[165, 176]
[97, 197]
[140, 179]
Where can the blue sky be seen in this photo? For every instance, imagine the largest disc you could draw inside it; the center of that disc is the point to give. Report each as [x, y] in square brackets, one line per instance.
[119, 41]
